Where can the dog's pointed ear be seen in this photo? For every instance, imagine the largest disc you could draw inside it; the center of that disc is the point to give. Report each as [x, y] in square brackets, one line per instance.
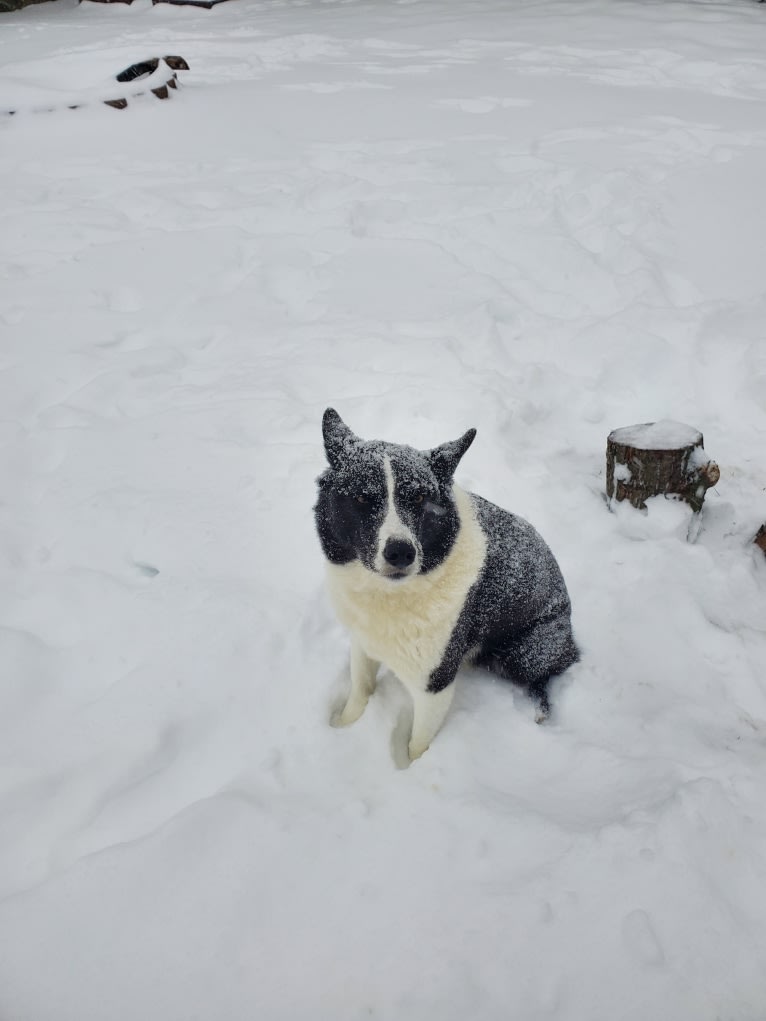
[338, 438]
[445, 459]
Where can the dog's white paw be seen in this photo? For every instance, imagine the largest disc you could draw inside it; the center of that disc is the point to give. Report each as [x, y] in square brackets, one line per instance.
[416, 750]
[348, 713]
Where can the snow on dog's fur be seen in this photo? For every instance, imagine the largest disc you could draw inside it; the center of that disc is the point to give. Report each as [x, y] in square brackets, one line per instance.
[425, 575]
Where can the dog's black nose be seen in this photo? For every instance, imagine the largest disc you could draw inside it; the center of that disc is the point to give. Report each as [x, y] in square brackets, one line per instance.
[399, 553]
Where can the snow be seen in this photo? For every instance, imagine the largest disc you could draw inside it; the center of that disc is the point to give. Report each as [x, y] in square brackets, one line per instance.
[664, 435]
[544, 221]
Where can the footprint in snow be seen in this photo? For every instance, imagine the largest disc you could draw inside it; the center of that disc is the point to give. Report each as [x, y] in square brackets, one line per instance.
[146, 570]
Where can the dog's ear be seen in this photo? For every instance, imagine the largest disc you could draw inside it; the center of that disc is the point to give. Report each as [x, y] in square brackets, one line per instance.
[338, 438]
[445, 459]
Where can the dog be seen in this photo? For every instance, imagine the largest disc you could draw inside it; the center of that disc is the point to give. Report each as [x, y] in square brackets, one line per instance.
[426, 576]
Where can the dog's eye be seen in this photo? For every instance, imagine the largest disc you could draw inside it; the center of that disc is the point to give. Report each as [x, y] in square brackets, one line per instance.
[418, 498]
[362, 498]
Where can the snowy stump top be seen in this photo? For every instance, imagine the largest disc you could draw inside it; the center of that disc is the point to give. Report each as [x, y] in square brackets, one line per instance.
[664, 435]
[658, 459]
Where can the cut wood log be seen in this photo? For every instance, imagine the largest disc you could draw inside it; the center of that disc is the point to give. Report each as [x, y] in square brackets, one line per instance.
[760, 538]
[658, 459]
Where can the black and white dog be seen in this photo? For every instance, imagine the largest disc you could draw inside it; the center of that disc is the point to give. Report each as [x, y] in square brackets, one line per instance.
[425, 575]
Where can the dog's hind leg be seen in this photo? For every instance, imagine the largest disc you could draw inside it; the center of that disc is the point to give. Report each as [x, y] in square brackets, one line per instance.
[539, 693]
[429, 711]
[534, 658]
[364, 672]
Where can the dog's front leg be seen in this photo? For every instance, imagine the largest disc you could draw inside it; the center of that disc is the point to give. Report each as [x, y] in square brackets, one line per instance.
[432, 699]
[364, 671]
[429, 710]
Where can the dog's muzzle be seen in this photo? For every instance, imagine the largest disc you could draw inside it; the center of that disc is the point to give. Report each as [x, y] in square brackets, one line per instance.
[399, 556]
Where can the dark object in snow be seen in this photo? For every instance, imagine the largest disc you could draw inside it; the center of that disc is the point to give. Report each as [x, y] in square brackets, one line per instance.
[760, 538]
[6, 6]
[658, 459]
[426, 576]
[177, 3]
[145, 69]
[207, 4]
[160, 75]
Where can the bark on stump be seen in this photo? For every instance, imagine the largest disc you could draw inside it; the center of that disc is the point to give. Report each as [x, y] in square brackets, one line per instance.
[760, 538]
[658, 459]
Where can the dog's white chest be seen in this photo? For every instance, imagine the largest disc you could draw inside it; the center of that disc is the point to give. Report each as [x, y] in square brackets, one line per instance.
[407, 625]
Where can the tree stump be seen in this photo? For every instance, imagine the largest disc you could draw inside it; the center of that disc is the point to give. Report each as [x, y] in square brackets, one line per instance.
[658, 459]
[760, 538]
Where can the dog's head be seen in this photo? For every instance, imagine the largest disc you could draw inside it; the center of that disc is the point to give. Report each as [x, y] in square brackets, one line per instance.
[386, 505]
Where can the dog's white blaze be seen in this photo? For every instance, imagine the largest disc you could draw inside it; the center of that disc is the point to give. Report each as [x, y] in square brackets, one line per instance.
[407, 624]
[393, 527]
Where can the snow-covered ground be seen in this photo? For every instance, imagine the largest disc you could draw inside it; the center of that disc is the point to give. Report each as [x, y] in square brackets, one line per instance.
[545, 220]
